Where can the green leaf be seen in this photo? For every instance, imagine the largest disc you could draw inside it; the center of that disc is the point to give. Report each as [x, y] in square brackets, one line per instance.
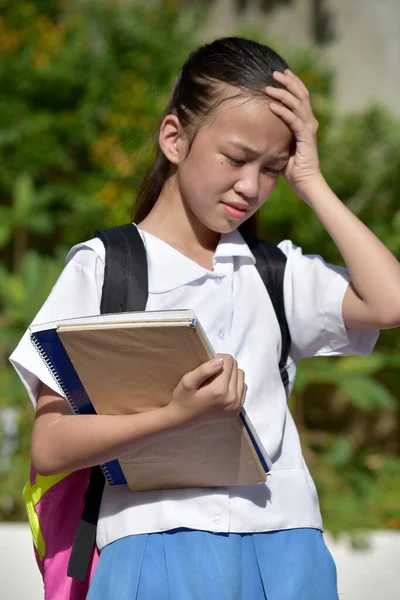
[340, 452]
[24, 199]
[6, 228]
[367, 394]
[41, 223]
[362, 364]
[319, 370]
[5, 235]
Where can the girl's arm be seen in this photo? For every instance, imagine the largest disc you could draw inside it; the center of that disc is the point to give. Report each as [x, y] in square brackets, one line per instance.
[65, 442]
[62, 441]
[372, 301]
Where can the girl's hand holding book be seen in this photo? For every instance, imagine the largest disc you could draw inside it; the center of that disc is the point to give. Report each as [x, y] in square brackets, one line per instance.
[215, 391]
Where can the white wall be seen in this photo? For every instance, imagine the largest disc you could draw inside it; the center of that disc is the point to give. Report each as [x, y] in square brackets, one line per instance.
[373, 574]
[365, 52]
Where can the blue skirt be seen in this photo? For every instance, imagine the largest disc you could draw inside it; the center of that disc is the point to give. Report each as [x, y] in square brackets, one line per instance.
[185, 564]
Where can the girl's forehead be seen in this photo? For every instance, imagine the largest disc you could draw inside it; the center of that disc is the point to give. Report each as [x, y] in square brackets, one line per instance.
[249, 120]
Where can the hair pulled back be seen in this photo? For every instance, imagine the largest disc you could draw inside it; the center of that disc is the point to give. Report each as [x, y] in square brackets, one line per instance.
[235, 62]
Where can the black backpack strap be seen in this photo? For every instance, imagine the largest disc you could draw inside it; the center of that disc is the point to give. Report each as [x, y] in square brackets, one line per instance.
[271, 263]
[125, 285]
[125, 288]
[85, 536]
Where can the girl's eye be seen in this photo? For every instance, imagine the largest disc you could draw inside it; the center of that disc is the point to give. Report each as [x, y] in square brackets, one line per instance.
[273, 172]
[239, 162]
[235, 161]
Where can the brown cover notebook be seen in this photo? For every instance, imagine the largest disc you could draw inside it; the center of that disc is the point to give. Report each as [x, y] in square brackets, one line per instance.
[132, 366]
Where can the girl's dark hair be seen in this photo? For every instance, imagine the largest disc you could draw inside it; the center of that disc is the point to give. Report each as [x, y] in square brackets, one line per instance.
[239, 63]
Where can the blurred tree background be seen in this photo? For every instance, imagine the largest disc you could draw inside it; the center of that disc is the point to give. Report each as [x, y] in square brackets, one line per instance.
[82, 85]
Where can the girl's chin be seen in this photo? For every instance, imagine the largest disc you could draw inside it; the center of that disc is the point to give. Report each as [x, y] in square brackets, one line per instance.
[225, 227]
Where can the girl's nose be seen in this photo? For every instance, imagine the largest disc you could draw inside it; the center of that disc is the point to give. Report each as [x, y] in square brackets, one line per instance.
[248, 184]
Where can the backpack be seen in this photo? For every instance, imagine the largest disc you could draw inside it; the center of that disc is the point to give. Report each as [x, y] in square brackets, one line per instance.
[63, 509]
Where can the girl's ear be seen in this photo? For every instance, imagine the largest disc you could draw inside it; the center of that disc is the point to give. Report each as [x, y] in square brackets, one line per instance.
[172, 140]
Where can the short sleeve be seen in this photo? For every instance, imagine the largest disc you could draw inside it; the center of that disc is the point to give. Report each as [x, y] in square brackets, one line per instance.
[313, 296]
[76, 293]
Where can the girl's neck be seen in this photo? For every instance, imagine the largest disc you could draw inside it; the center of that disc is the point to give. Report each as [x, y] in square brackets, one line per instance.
[172, 221]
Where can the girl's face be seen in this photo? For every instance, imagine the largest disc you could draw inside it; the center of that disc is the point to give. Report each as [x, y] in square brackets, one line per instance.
[234, 163]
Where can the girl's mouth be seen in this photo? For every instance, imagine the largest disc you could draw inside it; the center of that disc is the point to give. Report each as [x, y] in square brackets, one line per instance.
[235, 211]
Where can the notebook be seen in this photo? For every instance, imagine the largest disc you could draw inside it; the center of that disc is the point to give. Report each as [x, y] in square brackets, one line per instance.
[131, 362]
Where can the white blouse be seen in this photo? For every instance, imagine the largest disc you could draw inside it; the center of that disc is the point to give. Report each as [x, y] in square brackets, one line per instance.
[236, 312]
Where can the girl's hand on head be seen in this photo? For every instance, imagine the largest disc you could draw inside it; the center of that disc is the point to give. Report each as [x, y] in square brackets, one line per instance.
[294, 108]
[215, 391]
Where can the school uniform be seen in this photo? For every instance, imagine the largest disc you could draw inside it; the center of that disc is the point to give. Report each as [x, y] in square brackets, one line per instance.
[261, 541]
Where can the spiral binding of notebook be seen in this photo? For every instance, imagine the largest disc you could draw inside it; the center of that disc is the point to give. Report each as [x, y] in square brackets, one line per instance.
[58, 365]
[107, 475]
[53, 371]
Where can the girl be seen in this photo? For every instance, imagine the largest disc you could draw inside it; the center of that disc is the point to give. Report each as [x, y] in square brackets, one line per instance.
[237, 118]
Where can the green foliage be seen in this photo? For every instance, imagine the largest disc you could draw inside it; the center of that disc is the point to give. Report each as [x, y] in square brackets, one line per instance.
[358, 492]
[82, 86]
[352, 377]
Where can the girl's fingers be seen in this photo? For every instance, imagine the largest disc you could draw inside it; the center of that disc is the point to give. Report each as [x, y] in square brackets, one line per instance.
[194, 379]
[229, 366]
[241, 387]
[293, 87]
[240, 383]
[243, 396]
[299, 83]
[287, 99]
[241, 390]
[293, 84]
[296, 108]
[233, 381]
[293, 121]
